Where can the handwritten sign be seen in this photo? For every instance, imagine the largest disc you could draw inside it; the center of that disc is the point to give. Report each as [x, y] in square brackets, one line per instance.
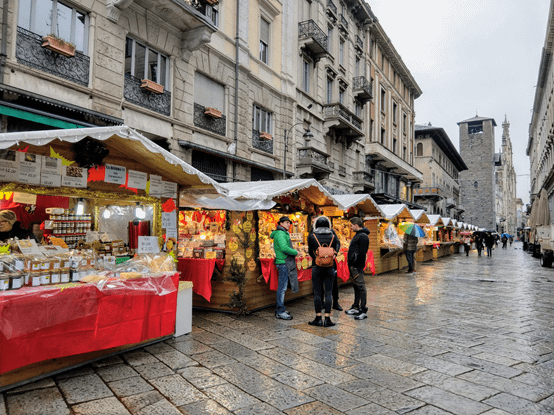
[9, 166]
[156, 186]
[115, 174]
[51, 173]
[169, 220]
[91, 236]
[74, 176]
[169, 189]
[24, 198]
[148, 245]
[137, 179]
[171, 233]
[29, 247]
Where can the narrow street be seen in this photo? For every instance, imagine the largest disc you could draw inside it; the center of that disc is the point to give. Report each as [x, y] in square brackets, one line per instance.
[463, 335]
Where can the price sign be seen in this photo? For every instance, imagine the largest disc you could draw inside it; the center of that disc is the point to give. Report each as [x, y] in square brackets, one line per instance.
[29, 247]
[74, 176]
[115, 174]
[29, 168]
[137, 179]
[9, 166]
[148, 245]
[171, 233]
[156, 186]
[51, 174]
[169, 220]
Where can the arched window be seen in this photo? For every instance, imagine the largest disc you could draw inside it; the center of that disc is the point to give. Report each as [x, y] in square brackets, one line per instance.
[419, 149]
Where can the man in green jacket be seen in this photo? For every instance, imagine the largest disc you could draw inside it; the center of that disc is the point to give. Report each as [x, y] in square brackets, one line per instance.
[285, 263]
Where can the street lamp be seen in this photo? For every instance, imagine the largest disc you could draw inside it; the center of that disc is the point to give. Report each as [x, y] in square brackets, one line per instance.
[308, 134]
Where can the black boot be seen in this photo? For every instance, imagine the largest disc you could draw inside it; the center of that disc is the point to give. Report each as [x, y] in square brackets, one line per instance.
[316, 322]
[336, 306]
[328, 322]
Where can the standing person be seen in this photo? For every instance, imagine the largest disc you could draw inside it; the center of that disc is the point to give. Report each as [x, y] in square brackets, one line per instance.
[410, 248]
[322, 277]
[286, 265]
[467, 244]
[504, 242]
[479, 243]
[489, 242]
[511, 239]
[357, 253]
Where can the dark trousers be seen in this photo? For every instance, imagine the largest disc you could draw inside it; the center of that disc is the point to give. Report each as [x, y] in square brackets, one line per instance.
[411, 260]
[466, 248]
[322, 281]
[360, 292]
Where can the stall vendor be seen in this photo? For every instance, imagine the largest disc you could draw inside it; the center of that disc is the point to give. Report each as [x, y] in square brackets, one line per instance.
[10, 227]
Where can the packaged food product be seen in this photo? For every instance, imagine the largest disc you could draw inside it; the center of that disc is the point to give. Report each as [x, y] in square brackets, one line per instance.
[17, 281]
[35, 279]
[45, 278]
[4, 282]
[55, 277]
[64, 275]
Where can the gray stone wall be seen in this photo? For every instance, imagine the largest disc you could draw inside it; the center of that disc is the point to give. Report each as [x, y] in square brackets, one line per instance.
[477, 150]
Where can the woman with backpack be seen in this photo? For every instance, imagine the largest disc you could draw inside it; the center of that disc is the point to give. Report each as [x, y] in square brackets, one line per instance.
[323, 244]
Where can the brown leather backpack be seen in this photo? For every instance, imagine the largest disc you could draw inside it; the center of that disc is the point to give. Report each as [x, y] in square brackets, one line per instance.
[325, 254]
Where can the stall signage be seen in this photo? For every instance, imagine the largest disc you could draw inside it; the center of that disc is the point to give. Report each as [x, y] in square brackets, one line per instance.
[156, 186]
[73, 176]
[29, 247]
[24, 198]
[169, 220]
[170, 190]
[9, 166]
[332, 211]
[137, 179]
[148, 245]
[115, 174]
[51, 173]
[91, 236]
[29, 168]
[171, 233]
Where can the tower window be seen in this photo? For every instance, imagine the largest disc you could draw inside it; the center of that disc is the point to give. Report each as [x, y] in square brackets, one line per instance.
[475, 127]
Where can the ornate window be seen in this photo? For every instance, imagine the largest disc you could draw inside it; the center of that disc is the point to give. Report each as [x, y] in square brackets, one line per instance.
[262, 120]
[144, 62]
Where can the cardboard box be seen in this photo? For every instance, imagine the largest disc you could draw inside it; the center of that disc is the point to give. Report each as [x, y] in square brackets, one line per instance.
[198, 253]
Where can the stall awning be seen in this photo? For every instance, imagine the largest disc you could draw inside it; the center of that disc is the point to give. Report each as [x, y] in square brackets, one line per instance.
[419, 216]
[308, 189]
[203, 201]
[362, 201]
[447, 222]
[391, 212]
[39, 117]
[435, 220]
[125, 143]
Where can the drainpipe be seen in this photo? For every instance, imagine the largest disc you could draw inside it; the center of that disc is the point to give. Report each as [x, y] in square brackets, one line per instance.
[4, 46]
[236, 86]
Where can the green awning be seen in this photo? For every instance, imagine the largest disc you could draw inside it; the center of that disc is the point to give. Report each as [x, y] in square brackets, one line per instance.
[38, 118]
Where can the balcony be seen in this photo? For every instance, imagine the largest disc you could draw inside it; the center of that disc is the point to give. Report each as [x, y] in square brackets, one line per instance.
[345, 123]
[261, 143]
[342, 171]
[359, 45]
[30, 53]
[332, 12]
[362, 89]
[435, 193]
[450, 202]
[343, 25]
[210, 123]
[313, 163]
[133, 93]
[311, 37]
[363, 181]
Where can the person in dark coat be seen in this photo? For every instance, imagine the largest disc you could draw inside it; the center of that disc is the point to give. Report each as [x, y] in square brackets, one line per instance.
[357, 253]
[478, 243]
[489, 242]
[11, 228]
[504, 242]
[322, 277]
[410, 248]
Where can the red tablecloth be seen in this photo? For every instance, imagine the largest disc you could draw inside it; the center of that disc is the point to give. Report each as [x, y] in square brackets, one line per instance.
[271, 276]
[199, 271]
[42, 323]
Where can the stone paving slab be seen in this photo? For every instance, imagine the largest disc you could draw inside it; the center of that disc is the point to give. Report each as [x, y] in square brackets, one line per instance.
[231, 397]
[518, 406]
[130, 386]
[106, 406]
[283, 397]
[84, 388]
[177, 390]
[38, 402]
[116, 372]
[447, 401]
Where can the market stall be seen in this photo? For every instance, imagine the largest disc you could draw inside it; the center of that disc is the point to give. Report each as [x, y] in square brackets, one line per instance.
[361, 205]
[385, 228]
[97, 197]
[248, 280]
[425, 248]
[451, 237]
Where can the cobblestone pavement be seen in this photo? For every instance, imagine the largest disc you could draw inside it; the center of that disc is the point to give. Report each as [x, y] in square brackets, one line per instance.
[463, 335]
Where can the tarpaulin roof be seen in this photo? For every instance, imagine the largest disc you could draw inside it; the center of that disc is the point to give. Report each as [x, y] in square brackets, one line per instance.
[124, 143]
[308, 189]
[193, 200]
[391, 212]
[435, 220]
[362, 201]
[419, 216]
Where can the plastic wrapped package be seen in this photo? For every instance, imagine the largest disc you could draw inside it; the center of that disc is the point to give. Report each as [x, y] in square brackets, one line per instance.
[390, 237]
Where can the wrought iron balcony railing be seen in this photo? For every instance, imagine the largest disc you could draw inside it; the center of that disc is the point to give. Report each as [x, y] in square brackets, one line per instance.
[331, 7]
[362, 88]
[215, 125]
[343, 25]
[310, 30]
[346, 118]
[261, 143]
[359, 43]
[30, 53]
[313, 158]
[133, 93]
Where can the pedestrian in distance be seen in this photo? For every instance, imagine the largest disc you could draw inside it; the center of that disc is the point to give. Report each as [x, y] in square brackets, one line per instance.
[286, 265]
[357, 253]
[467, 244]
[511, 239]
[478, 244]
[410, 248]
[323, 244]
[504, 242]
[489, 242]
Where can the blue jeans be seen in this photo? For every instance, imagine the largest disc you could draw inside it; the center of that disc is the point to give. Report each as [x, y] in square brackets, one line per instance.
[411, 260]
[282, 287]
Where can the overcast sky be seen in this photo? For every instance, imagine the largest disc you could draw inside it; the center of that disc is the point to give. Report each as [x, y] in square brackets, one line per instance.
[472, 57]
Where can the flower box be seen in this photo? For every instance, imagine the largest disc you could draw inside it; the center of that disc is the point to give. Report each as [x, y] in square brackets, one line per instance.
[212, 1]
[212, 112]
[58, 46]
[152, 86]
[265, 136]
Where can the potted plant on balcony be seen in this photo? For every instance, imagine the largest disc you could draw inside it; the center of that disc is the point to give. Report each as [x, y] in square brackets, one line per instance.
[58, 45]
[152, 86]
[212, 112]
[265, 136]
[212, 1]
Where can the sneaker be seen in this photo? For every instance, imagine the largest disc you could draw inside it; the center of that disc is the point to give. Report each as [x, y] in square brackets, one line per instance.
[352, 311]
[360, 316]
[337, 306]
[409, 271]
[283, 316]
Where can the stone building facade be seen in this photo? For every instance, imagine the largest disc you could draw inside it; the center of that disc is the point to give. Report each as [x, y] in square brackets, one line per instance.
[477, 183]
[540, 147]
[441, 164]
[231, 87]
[505, 185]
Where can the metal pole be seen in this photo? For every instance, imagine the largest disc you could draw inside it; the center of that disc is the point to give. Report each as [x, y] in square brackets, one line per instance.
[285, 158]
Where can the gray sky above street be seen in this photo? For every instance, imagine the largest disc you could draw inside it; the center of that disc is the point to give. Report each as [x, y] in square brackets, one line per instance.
[472, 57]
